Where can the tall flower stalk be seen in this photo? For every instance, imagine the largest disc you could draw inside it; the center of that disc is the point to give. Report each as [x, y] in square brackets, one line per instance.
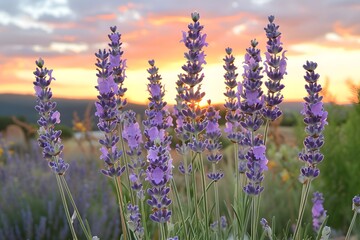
[194, 115]
[356, 209]
[133, 138]
[251, 106]
[50, 141]
[315, 119]
[214, 146]
[275, 69]
[159, 170]
[107, 110]
[234, 133]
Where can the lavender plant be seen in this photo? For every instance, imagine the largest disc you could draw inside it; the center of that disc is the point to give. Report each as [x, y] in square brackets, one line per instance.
[110, 75]
[194, 117]
[159, 170]
[356, 209]
[50, 141]
[275, 69]
[251, 105]
[197, 127]
[318, 211]
[315, 118]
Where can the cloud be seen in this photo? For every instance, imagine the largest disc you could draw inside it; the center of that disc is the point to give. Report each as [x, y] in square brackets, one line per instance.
[62, 47]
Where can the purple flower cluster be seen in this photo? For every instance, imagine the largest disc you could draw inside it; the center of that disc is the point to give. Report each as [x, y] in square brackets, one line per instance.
[275, 69]
[159, 171]
[315, 118]
[318, 211]
[111, 74]
[133, 137]
[267, 229]
[251, 106]
[214, 146]
[117, 66]
[356, 204]
[49, 138]
[233, 116]
[134, 220]
[223, 224]
[194, 120]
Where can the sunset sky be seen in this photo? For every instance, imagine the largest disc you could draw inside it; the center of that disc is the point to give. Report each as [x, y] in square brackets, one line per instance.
[66, 33]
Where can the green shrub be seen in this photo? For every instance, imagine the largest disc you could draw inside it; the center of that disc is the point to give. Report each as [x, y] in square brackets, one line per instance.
[7, 120]
[341, 165]
[289, 119]
[67, 132]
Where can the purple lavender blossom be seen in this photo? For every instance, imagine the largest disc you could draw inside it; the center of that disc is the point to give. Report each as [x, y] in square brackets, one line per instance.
[233, 116]
[315, 119]
[267, 229]
[134, 220]
[133, 137]
[318, 211]
[173, 238]
[110, 100]
[223, 224]
[49, 138]
[193, 115]
[117, 66]
[159, 170]
[251, 105]
[213, 146]
[275, 69]
[356, 203]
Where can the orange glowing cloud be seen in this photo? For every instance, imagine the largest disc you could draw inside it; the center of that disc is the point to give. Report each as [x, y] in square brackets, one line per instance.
[101, 17]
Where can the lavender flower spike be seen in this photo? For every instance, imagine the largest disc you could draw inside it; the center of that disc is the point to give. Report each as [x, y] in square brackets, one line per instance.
[194, 122]
[315, 118]
[356, 209]
[159, 171]
[356, 204]
[275, 69]
[109, 104]
[266, 228]
[49, 138]
[251, 105]
[132, 136]
[232, 117]
[134, 220]
[214, 146]
[318, 211]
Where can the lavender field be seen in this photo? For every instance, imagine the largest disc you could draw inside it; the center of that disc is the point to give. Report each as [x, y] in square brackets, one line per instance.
[243, 169]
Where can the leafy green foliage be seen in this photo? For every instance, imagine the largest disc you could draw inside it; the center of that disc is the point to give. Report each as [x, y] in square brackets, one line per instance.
[341, 165]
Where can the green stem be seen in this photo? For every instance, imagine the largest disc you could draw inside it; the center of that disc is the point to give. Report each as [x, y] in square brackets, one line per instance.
[63, 199]
[87, 234]
[217, 205]
[121, 206]
[242, 212]
[236, 191]
[203, 180]
[195, 195]
[187, 183]
[180, 207]
[143, 218]
[162, 231]
[351, 226]
[304, 196]
[266, 131]
[254, 217]
[124, 156]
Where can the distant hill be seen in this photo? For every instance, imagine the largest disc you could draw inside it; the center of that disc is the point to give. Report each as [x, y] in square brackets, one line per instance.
[23, 105]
